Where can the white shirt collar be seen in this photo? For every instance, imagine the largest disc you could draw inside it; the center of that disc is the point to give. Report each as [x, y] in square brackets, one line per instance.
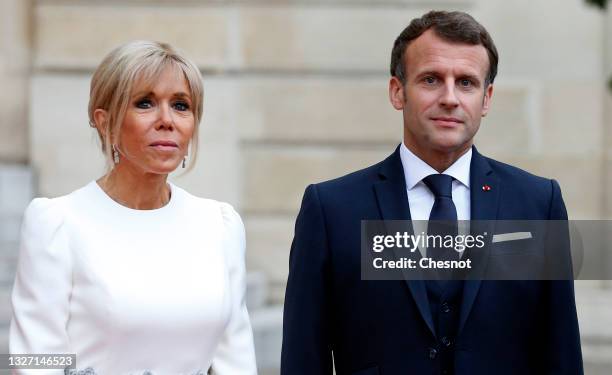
[415, 169]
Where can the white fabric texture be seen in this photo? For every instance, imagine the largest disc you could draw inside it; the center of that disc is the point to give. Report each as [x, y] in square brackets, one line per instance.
[131, 291]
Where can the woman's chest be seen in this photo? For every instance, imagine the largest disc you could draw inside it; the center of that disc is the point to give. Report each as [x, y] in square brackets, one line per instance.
[152, 281]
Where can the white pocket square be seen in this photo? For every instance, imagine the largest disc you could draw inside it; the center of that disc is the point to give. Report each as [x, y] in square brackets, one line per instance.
[511, 236]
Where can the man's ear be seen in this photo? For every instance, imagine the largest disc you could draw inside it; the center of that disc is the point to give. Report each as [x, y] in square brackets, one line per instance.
[100, 118]
[486, 101]
[396, 93]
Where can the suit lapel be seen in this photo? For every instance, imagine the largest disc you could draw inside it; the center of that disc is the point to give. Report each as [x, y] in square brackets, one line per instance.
[393, 204]
[484, 201]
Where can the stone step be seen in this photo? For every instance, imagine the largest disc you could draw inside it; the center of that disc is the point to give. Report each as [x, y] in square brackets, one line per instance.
[268, 335]
[5, 307]
[594, 307]
[4, 334]
[8, 266]
[10, 226]
[257, 290]
[16, 188]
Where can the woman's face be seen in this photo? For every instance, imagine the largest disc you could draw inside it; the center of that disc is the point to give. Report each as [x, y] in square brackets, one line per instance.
[158, 124]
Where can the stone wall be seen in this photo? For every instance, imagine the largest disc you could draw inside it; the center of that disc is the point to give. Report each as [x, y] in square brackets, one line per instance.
[15, 36]
[296, 92]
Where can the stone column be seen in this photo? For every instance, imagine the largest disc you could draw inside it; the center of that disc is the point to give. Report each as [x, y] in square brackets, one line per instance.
[14, 71]
[15, 175]
[607, 120]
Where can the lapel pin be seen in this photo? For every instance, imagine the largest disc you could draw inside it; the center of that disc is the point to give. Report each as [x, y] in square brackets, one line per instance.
[486, 188]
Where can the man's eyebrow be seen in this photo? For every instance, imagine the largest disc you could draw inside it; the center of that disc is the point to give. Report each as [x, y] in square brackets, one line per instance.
[473, 76]
[428, 73]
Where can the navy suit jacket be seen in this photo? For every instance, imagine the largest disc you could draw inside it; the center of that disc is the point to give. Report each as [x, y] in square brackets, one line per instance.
[385, 327]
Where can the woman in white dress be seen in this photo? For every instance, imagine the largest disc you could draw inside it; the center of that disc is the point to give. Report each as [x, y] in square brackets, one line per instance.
[130, 272]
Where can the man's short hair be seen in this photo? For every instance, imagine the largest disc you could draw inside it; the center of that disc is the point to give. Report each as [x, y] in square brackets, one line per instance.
[457, 27]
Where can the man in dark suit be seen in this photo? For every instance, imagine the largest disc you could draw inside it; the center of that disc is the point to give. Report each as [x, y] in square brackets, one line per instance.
[443, 66]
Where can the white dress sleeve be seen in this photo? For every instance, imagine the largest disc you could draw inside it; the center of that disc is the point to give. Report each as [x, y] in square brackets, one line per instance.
[43, 282]
[235, 354]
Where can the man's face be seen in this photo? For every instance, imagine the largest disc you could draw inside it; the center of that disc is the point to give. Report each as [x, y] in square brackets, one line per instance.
[444, 96]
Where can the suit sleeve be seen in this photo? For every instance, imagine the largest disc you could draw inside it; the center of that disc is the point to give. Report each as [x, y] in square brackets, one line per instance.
[306, 330]
[561, 346]
[43, 284]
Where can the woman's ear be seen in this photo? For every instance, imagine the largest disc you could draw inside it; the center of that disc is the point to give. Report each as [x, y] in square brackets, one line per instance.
[100, 117]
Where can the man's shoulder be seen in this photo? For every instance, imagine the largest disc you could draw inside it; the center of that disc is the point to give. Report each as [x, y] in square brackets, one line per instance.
[525, 195]
[361, 181]
[511, 174]
[352, 181]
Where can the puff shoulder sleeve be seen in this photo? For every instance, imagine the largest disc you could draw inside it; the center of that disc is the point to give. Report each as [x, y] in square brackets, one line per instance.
[41, 293]
[235, 353]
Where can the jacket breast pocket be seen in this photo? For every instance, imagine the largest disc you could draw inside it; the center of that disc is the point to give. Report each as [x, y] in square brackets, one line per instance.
[521, 259]
[514, 246]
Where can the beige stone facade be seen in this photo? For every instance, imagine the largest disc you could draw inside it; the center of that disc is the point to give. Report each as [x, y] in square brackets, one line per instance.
[15, 62]
[296, 92]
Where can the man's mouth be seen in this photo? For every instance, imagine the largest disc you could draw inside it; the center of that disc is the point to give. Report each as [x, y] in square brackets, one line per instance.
[445, 121]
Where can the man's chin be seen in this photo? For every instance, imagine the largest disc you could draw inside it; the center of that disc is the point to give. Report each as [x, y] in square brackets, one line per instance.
[452, 146]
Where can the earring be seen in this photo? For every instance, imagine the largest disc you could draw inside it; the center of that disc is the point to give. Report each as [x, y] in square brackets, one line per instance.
[184, 161]
[115, 155]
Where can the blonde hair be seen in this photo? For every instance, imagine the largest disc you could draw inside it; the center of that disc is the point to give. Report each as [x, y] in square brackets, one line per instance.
[113, 81]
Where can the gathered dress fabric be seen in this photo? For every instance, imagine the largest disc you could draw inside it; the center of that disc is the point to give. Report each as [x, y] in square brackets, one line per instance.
[133, 291]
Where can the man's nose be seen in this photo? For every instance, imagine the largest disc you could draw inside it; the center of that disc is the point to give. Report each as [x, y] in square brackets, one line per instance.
[449, 97]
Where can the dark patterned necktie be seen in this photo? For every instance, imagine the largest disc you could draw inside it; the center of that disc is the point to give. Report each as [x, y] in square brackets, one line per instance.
[442, 219]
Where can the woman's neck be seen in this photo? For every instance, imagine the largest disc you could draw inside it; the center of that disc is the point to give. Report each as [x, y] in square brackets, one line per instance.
[139, 191]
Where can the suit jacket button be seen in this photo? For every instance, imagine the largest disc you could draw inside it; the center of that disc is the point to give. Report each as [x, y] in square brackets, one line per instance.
[446, 341]
[445, 307]
[432, 353]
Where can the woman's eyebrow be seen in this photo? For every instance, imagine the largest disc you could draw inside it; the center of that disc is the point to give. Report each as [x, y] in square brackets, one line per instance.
[142, 94]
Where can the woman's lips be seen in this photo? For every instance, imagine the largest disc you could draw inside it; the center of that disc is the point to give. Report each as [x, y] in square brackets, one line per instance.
[164, 146]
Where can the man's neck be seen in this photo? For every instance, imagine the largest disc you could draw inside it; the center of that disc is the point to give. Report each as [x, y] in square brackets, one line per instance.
[438, 160]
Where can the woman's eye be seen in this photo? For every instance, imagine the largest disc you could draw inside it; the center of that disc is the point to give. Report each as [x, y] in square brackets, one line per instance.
[181, 106]
[144, 104]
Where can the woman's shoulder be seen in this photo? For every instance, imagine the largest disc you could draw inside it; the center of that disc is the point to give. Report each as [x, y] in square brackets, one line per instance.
[44, 219]
[56, 207]
[43, 209]
[205, 206]
[201, 204]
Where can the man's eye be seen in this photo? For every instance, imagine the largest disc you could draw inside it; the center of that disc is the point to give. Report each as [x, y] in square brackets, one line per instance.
[466, 83]
[144, 104]
[181, 106]
[430, 80]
